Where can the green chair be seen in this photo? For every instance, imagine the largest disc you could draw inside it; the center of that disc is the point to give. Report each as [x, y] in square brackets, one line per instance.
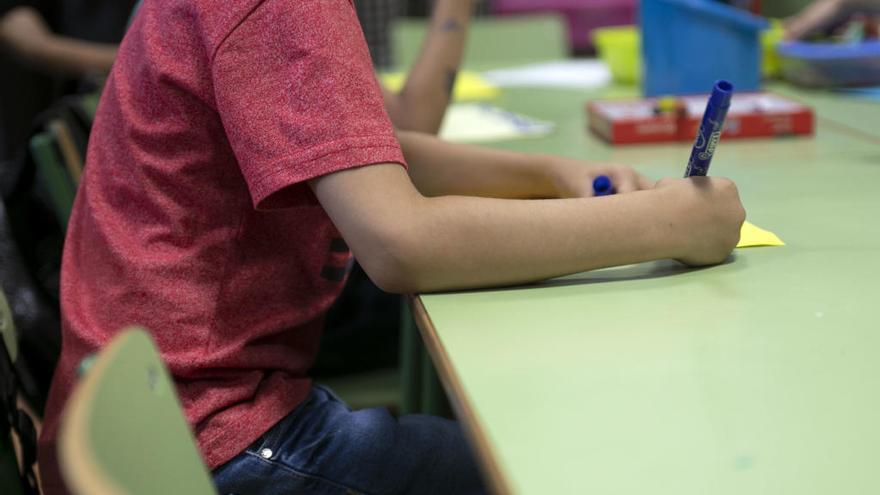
[50, 166]
[7, 329]
[123, 432]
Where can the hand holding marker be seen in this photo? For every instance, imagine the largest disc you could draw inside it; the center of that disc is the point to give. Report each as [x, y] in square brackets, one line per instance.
[708, 136]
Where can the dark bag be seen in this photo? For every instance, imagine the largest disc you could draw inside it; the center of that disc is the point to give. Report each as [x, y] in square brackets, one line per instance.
[31, 243]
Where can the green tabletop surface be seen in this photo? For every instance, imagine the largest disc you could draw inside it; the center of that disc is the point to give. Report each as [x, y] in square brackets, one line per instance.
[758, 376]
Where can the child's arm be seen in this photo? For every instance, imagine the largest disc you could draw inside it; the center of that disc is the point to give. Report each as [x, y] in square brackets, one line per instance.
[25, 33]
[421, 103]
[407, 242]
[440, 168]
[826, 14]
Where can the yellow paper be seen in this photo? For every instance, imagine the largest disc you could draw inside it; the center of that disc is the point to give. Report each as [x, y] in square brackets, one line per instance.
[469, 86]
[751, 236]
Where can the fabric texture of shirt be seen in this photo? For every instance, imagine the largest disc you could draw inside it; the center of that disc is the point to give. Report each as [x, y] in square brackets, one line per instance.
[194, 218]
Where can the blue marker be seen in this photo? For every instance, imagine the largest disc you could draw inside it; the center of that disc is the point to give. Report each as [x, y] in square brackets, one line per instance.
[602, 186]
[710, 129]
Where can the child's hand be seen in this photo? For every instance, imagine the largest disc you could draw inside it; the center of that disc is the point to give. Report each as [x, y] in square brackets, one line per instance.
[574, 179]
[706, 216]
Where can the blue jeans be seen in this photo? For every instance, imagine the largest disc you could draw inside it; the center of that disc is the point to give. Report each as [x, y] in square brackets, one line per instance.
[325, 448]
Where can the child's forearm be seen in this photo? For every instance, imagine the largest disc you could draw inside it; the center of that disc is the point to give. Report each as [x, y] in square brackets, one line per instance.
[422, 102]
[478, 242]
[439, 168]
[409, 243]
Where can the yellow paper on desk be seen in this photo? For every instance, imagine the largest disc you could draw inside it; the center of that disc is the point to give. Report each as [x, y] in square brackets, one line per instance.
[469, 86]
[752, 236]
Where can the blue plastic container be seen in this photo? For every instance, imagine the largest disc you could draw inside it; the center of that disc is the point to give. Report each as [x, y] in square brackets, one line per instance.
[689, 44]
[831, 64]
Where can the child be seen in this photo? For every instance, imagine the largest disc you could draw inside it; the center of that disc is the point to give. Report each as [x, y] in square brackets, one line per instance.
[236, 145]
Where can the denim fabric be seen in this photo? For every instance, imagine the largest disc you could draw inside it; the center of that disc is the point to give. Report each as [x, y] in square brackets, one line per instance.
[325, 448]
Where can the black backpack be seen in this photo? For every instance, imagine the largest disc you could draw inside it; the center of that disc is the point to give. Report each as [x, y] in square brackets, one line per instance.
[31, 242]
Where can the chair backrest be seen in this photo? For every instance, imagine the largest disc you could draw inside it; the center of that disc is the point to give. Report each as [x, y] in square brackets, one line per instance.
[71, 157]
[10, 481]
[7, 328]
[59, 184]
[123, 432]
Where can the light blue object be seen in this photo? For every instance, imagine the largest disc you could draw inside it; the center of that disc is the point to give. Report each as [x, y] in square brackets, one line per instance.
[690, 44]
[871, 94]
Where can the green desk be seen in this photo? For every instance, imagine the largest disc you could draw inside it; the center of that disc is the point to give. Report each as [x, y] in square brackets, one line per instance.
[759, 376]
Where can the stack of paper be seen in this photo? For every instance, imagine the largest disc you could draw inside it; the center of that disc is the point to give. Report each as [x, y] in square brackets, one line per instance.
[571, 74]
[480, 122]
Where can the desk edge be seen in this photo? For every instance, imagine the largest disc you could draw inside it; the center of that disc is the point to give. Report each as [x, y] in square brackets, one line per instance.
[455, 392]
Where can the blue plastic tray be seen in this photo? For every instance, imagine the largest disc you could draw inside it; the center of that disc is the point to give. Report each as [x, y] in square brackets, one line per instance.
[831, 64]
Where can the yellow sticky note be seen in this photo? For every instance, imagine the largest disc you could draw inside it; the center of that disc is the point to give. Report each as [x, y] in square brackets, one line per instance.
[751, 236]
[469, 86]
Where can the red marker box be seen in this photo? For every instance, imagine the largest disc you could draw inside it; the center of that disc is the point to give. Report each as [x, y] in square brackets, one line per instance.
[654, 120]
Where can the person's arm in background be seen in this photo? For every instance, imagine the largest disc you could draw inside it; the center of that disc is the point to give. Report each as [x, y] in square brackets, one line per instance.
[444, 168]
[24, 32]
[422, 102]
[419, 233]
[823, 15]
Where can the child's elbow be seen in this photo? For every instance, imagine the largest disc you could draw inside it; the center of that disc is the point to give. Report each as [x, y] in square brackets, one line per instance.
[393, 266]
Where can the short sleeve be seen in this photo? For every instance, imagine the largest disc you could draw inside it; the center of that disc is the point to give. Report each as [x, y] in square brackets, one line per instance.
[295, 89]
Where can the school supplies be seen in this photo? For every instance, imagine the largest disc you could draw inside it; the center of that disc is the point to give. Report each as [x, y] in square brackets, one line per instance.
[481, 122]
[709, 132]
[751, 235]
[688, 44]
[469, 86]
[831, 64]
[646, 120]
[602, 186]
[565, 74]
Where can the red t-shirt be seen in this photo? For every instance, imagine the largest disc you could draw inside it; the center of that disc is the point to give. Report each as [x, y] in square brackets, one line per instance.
[194, 219]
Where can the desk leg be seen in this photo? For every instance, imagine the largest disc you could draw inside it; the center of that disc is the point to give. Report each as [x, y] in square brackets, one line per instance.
[411, 355]
[434, 399]
[421, 391]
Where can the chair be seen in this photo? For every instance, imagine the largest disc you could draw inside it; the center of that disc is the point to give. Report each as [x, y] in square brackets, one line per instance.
[7, 329]
[72, 158]
[123, 432]
[60, 185]
[12, 481]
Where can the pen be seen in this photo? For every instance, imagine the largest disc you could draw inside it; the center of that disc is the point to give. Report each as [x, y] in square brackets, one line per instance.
[710, 129]
[602, 186]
